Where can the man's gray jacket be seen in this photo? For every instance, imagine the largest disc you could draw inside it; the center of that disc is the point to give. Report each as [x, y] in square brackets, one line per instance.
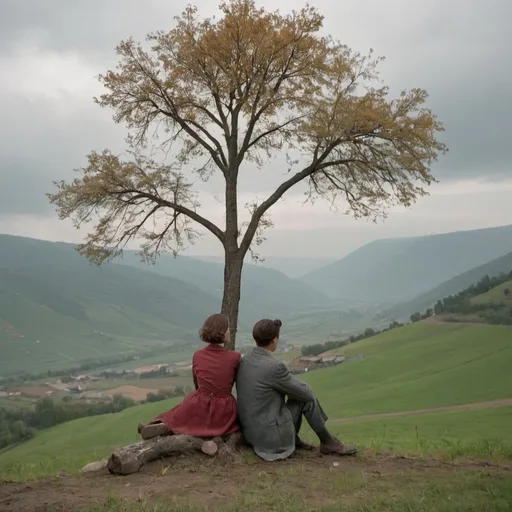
[262, 385]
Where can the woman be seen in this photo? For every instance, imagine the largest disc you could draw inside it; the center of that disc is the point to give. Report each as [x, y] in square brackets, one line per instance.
[209, 411]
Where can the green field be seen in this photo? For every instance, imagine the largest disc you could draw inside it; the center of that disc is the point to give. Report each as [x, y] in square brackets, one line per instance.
[476, 433]
[318, 326]
[420, 366]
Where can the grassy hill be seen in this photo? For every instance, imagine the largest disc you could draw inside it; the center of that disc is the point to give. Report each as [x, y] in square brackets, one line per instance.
[420, 366]
[396, 270]
[452, 286]
[57, 310]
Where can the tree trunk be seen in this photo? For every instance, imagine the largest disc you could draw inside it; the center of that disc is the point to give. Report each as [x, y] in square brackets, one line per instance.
[232, 289]
[233, 257]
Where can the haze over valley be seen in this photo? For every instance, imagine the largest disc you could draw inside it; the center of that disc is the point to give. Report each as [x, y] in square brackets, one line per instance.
[59, 311]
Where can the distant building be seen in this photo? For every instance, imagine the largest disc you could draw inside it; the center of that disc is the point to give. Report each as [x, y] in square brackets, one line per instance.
[333, 359]
[76, 389]
[150, 369]
[305, 364]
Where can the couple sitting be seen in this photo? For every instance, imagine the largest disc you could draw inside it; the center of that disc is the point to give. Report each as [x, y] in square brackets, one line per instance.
[271, 402]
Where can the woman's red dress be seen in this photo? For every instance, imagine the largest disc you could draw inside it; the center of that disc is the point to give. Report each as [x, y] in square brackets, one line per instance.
[210, 410]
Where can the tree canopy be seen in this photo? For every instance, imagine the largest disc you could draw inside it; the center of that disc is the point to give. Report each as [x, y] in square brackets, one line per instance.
[218, 93]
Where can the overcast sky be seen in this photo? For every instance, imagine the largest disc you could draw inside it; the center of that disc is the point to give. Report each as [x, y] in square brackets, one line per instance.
[51, 52]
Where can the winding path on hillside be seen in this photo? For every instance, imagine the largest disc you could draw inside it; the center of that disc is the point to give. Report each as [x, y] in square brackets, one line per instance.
[505, 402]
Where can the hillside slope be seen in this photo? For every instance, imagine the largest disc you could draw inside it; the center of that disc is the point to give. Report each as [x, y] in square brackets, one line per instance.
[415, 367]
[57, 310]
[265, 292]
[418, 366]
[396, 270]
[452, 286]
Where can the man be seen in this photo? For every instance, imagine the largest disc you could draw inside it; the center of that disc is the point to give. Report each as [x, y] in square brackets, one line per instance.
[270, 423]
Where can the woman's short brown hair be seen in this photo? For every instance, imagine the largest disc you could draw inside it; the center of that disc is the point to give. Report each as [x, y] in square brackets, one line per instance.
[214, 329]
[265, 331]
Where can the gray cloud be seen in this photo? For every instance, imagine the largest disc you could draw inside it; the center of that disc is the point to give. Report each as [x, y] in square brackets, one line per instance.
[458, 50]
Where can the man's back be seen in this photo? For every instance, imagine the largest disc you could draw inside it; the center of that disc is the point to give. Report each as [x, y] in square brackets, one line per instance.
[262, 383]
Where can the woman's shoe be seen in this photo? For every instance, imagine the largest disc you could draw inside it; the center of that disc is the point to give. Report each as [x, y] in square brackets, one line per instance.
[153, 430]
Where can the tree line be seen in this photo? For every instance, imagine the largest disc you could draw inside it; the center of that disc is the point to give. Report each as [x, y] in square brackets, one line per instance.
[20, 424]
[497, 312]
[319, 348]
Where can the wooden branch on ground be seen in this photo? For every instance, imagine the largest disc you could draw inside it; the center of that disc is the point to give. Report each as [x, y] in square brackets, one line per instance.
[227, 448]
[131, 458]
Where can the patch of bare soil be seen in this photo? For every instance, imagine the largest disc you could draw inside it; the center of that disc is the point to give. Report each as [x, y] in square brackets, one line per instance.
[506, 402]
[453, 320]
[197, 481]
[33, 391]
[134, 392]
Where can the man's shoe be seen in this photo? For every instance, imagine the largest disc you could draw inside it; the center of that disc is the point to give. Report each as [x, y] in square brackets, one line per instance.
[335, 447]
[302, 445]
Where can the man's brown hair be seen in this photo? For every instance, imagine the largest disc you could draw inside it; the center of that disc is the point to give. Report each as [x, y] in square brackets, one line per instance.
[214, 329]
[265, 331]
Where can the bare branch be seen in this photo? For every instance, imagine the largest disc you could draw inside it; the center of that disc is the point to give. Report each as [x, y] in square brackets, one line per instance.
[126, 196]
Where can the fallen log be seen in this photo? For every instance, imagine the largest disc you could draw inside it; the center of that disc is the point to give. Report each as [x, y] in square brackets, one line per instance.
[131, 458]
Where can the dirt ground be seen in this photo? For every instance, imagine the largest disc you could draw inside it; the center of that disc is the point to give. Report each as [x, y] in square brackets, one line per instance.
[197, 481]
[32, 391]
[135, 392]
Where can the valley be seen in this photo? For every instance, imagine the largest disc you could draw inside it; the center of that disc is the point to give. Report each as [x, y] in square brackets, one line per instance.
[430, 397]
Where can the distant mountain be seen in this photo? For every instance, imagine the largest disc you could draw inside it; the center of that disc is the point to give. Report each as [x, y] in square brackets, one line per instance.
[454, 285]
[57, 310]
[397, 270]
[265, 292]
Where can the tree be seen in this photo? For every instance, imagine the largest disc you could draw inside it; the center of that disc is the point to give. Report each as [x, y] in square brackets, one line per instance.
[222, 93]
[415, 317]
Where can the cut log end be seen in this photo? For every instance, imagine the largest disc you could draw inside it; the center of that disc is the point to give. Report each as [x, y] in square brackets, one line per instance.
[209, 448]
